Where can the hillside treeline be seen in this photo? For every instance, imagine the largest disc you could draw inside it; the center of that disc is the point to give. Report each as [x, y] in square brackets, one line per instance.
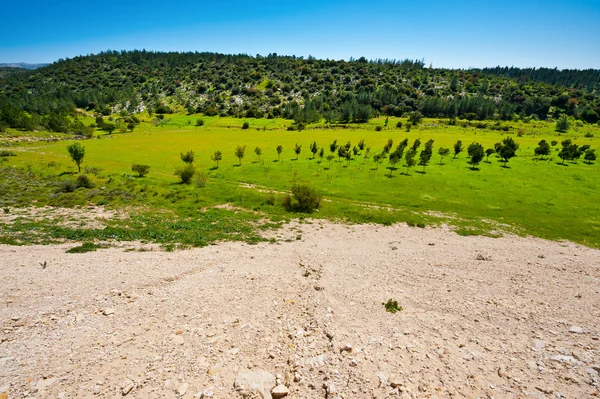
[306, 90]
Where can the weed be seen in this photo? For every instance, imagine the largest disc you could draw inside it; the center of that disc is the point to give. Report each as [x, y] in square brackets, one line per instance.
[392, 306]
[85, 247]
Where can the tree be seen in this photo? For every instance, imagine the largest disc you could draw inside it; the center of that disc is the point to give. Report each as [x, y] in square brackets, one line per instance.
[333, 146]
[489, 152]
[258, 152]
[475, 151]
[543, 149]
[279, 150]
[141, 170]
[109, 127]
[361, 144]
[186, 173]
[414, 118]
[76, 152]
[508, 149]
[562, 124]
[443, 152]
[388, 146]
[131, 126]
[216, 157]
[341, 152]
[188, 157]
[377, 158]
[590, 156]
[394, 159]
[321, 154]
[410, 159]
[416, 144]
[330, 158]
[426, 154]
[297, 150]
[239, 153]
[314, 149]
[458, 147]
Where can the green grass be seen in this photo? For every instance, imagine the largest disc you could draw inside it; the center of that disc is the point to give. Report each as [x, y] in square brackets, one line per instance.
[530, 197]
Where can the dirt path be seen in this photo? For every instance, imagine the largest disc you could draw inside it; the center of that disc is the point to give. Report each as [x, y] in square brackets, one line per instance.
[483, 317]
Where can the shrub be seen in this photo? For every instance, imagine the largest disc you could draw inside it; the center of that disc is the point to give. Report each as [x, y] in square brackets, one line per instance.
[245, 126]
[201, 180]
[270, 200]
[378, 128]
[287, 202]
[85, 247]
[66, 186]
[141, 170]
[392, 306]
[200, 122]
[588, 135]
[186, 173]
[7, 153]
[84, 181]
[399, 125]
[307, 197]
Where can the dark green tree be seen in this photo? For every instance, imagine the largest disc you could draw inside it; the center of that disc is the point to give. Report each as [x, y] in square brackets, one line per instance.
[508, 149]
[76, 152]
[258, 152]
[426, 154]
[443, 152]
[458, 148]
[217, 157]
[590, 156]
[543, 149]
[279, 150]
[562, 124]
[410, 159]
[239, 153]
[187, 157]
[476, 153]
[297, 150]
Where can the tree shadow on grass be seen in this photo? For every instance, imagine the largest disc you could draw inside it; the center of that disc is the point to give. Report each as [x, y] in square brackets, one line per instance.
[505, 166]
[474, 169]
[214, 168]
[236, 165]
[276, 160]
[421, 172]
[67, 174]
[561, 164]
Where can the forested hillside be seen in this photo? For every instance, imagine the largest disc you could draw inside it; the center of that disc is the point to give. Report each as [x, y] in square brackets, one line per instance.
[307, 90]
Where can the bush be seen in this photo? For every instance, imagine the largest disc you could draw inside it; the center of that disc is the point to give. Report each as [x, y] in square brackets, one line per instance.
[201, 180]
[245, 126]
[399, 125]
[84, 181]
[307, 197]
[378, 128]
[7, 153]
[186, 173]
[587, 135]
[66, 186]
[141, 170]
[200, 122]
[83, 248]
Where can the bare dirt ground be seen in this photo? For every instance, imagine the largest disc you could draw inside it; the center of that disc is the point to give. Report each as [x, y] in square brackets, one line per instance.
[483, 317]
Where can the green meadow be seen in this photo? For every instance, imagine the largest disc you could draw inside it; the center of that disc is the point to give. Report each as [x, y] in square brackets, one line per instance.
[530, 196]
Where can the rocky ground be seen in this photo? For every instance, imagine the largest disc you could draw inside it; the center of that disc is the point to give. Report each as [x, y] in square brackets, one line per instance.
[303, 318]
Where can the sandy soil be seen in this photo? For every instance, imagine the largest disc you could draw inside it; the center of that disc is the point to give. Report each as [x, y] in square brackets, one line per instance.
[483, 317]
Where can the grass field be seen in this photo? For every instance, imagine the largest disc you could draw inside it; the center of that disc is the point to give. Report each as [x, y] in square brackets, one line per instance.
[529, 197]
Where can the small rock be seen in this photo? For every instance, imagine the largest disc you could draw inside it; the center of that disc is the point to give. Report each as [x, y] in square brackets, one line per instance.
[538, 344]
[346, 348]
[576, 330]
[280, 391]
[127, 387]
[178, 340]
[182, 389]
[255, 381]
[395, 381]
[108, 311]
[565, 359]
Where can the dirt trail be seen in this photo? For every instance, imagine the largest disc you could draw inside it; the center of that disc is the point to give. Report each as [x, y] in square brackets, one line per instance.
[483, 317]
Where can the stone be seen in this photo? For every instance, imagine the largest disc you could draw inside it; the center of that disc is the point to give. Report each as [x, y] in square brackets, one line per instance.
[565, 359]
[396, 381]
[576, 330]
[346, 348]
[255, 381]
[127, 387]
[538, 344]
[182, 389]
[280, 391]
[108, 311]
[178, 340]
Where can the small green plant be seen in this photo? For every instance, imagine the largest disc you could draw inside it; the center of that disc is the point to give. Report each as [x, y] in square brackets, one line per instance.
[200, 122]
[141, 170]
[188, 157]
[84, 181]
[186, 173]
[85, 247]
[7, 153]
[392, 306]
[245, 126]
[308, 200]
[378, 128]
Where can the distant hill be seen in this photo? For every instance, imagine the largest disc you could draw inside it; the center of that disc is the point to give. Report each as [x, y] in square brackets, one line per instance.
[306, 90]
[22, 65]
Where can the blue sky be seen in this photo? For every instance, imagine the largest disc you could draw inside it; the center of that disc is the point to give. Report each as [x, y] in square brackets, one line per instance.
[453, 34]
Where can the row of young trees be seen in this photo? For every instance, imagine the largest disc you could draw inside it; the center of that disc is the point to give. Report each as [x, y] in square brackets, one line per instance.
[505, 150]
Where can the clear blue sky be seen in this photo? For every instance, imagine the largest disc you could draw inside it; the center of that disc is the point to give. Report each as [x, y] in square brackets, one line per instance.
[446, 33]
